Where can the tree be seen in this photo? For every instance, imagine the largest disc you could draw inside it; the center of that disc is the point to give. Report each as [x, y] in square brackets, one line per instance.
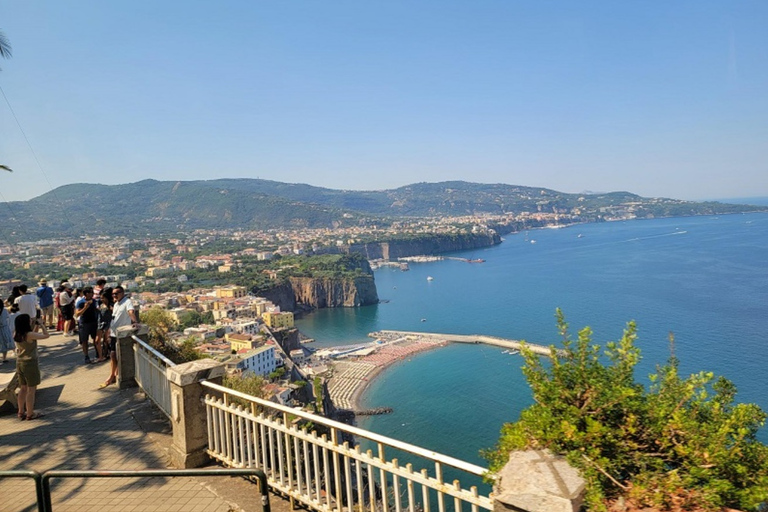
[682, 442]
[160, 323]
[5, 46]
[190, 318]
[250, 384]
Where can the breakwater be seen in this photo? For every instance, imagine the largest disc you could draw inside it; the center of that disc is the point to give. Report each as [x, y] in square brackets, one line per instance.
[355, 368]
[464, 338]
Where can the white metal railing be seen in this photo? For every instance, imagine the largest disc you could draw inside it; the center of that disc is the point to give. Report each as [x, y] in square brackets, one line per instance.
[150, 374]
[322, 471]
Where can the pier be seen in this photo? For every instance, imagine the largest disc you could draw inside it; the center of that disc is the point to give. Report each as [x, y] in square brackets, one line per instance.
[465, 338]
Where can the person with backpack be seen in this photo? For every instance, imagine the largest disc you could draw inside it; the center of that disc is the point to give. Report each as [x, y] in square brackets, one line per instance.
[45, 301]
[87, 314]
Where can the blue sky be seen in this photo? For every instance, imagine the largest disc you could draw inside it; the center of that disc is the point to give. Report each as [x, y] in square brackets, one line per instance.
[658, 98]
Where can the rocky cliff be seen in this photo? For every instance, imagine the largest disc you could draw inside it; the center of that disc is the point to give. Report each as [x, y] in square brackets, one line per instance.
[322, 292]
[281, 295]
[330, 292]
[425, 245]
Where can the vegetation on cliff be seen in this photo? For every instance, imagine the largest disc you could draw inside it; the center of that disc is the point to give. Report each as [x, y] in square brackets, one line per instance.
[680, 444]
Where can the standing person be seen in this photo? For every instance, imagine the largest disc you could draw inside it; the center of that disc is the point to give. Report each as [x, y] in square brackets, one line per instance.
[27, 303]
[87, 314]
[27, 366]
[100, 283]
[67, 305]
[105, 318]
[6, 332]
[123, 314]
[15, 294]
[45, 297]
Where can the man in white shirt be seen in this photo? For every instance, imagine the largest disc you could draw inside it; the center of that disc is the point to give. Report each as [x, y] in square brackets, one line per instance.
[123, 314]
[27, 304]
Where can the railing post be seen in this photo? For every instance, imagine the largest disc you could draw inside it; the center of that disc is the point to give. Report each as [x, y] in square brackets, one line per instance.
[188, 414]
[126, 362]
[537, 481]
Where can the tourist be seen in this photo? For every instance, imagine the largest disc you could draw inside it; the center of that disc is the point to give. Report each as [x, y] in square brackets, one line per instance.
[15, 294]
[6, 332]
[105, 318]
[27, 367]
[45, 298]
[87, 314]
[123, 314]
[100, 283]
[27, 303]
[67, 306]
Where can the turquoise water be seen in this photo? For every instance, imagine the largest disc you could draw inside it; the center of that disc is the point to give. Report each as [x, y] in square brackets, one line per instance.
[703, 278]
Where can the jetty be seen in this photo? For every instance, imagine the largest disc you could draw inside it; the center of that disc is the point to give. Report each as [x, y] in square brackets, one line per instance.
[464, 338]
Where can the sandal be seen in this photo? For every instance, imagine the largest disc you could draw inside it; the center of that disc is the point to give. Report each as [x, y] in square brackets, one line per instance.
[107, 383]
[22, 417]
[35, 416]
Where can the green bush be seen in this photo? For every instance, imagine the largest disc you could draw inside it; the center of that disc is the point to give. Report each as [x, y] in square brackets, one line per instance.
[682, 442]
[250, 384]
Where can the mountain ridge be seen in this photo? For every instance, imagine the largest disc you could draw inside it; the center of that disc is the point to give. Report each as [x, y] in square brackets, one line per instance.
[155, 206]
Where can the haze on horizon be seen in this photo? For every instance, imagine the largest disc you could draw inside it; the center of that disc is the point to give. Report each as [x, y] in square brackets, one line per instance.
[655, 99]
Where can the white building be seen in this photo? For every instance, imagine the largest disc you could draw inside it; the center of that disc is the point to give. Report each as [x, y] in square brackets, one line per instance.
[260, 361]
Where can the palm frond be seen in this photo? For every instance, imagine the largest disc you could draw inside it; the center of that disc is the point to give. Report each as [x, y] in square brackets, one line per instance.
[5, 46]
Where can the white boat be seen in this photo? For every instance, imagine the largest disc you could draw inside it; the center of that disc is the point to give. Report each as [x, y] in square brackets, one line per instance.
[430, 278]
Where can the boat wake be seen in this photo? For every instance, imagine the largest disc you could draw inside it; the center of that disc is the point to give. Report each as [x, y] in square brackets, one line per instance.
[656, 236]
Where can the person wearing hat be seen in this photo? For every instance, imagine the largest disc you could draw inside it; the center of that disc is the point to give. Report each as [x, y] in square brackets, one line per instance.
[45, 301]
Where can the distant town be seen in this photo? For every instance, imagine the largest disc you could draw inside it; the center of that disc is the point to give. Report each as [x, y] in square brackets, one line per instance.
[216, 285]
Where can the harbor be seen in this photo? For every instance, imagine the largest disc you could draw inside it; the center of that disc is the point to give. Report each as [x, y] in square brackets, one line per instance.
[354, 368]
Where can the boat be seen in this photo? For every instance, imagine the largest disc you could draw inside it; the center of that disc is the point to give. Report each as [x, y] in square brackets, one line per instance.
[423, 319]
[533, 241]
[430, 278]
[580, 236]
[476, 260]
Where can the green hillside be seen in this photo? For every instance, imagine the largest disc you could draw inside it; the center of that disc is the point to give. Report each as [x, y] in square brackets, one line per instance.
[153, 207]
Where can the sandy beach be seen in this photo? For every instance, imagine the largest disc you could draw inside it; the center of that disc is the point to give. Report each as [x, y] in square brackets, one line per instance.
[353, 375]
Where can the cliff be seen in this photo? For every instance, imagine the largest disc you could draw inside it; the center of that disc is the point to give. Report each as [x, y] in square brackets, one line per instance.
[281, 295]
[322, 292]
[328, 292]
[425, 244]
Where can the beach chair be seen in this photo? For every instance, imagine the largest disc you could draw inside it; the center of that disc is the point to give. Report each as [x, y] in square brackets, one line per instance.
[9, 383]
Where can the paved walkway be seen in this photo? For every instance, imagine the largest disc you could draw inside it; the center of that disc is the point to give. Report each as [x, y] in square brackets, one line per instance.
[88, 428]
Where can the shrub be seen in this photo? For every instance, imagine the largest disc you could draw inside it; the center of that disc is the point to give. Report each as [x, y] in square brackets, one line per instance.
[682, 442]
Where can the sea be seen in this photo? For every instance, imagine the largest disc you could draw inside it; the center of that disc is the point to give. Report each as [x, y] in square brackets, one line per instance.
[703, 279]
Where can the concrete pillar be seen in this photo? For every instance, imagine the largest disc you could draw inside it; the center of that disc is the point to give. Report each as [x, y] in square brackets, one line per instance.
[126, 362]
[188, 416]
[537, 481]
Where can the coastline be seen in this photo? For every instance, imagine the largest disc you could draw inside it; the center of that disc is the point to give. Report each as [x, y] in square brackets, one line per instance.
[353, 376]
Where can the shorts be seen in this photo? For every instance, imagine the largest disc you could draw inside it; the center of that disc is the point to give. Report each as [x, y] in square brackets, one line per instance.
[86, 330]
[28, 372]
[47, 310]
[68, 312]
